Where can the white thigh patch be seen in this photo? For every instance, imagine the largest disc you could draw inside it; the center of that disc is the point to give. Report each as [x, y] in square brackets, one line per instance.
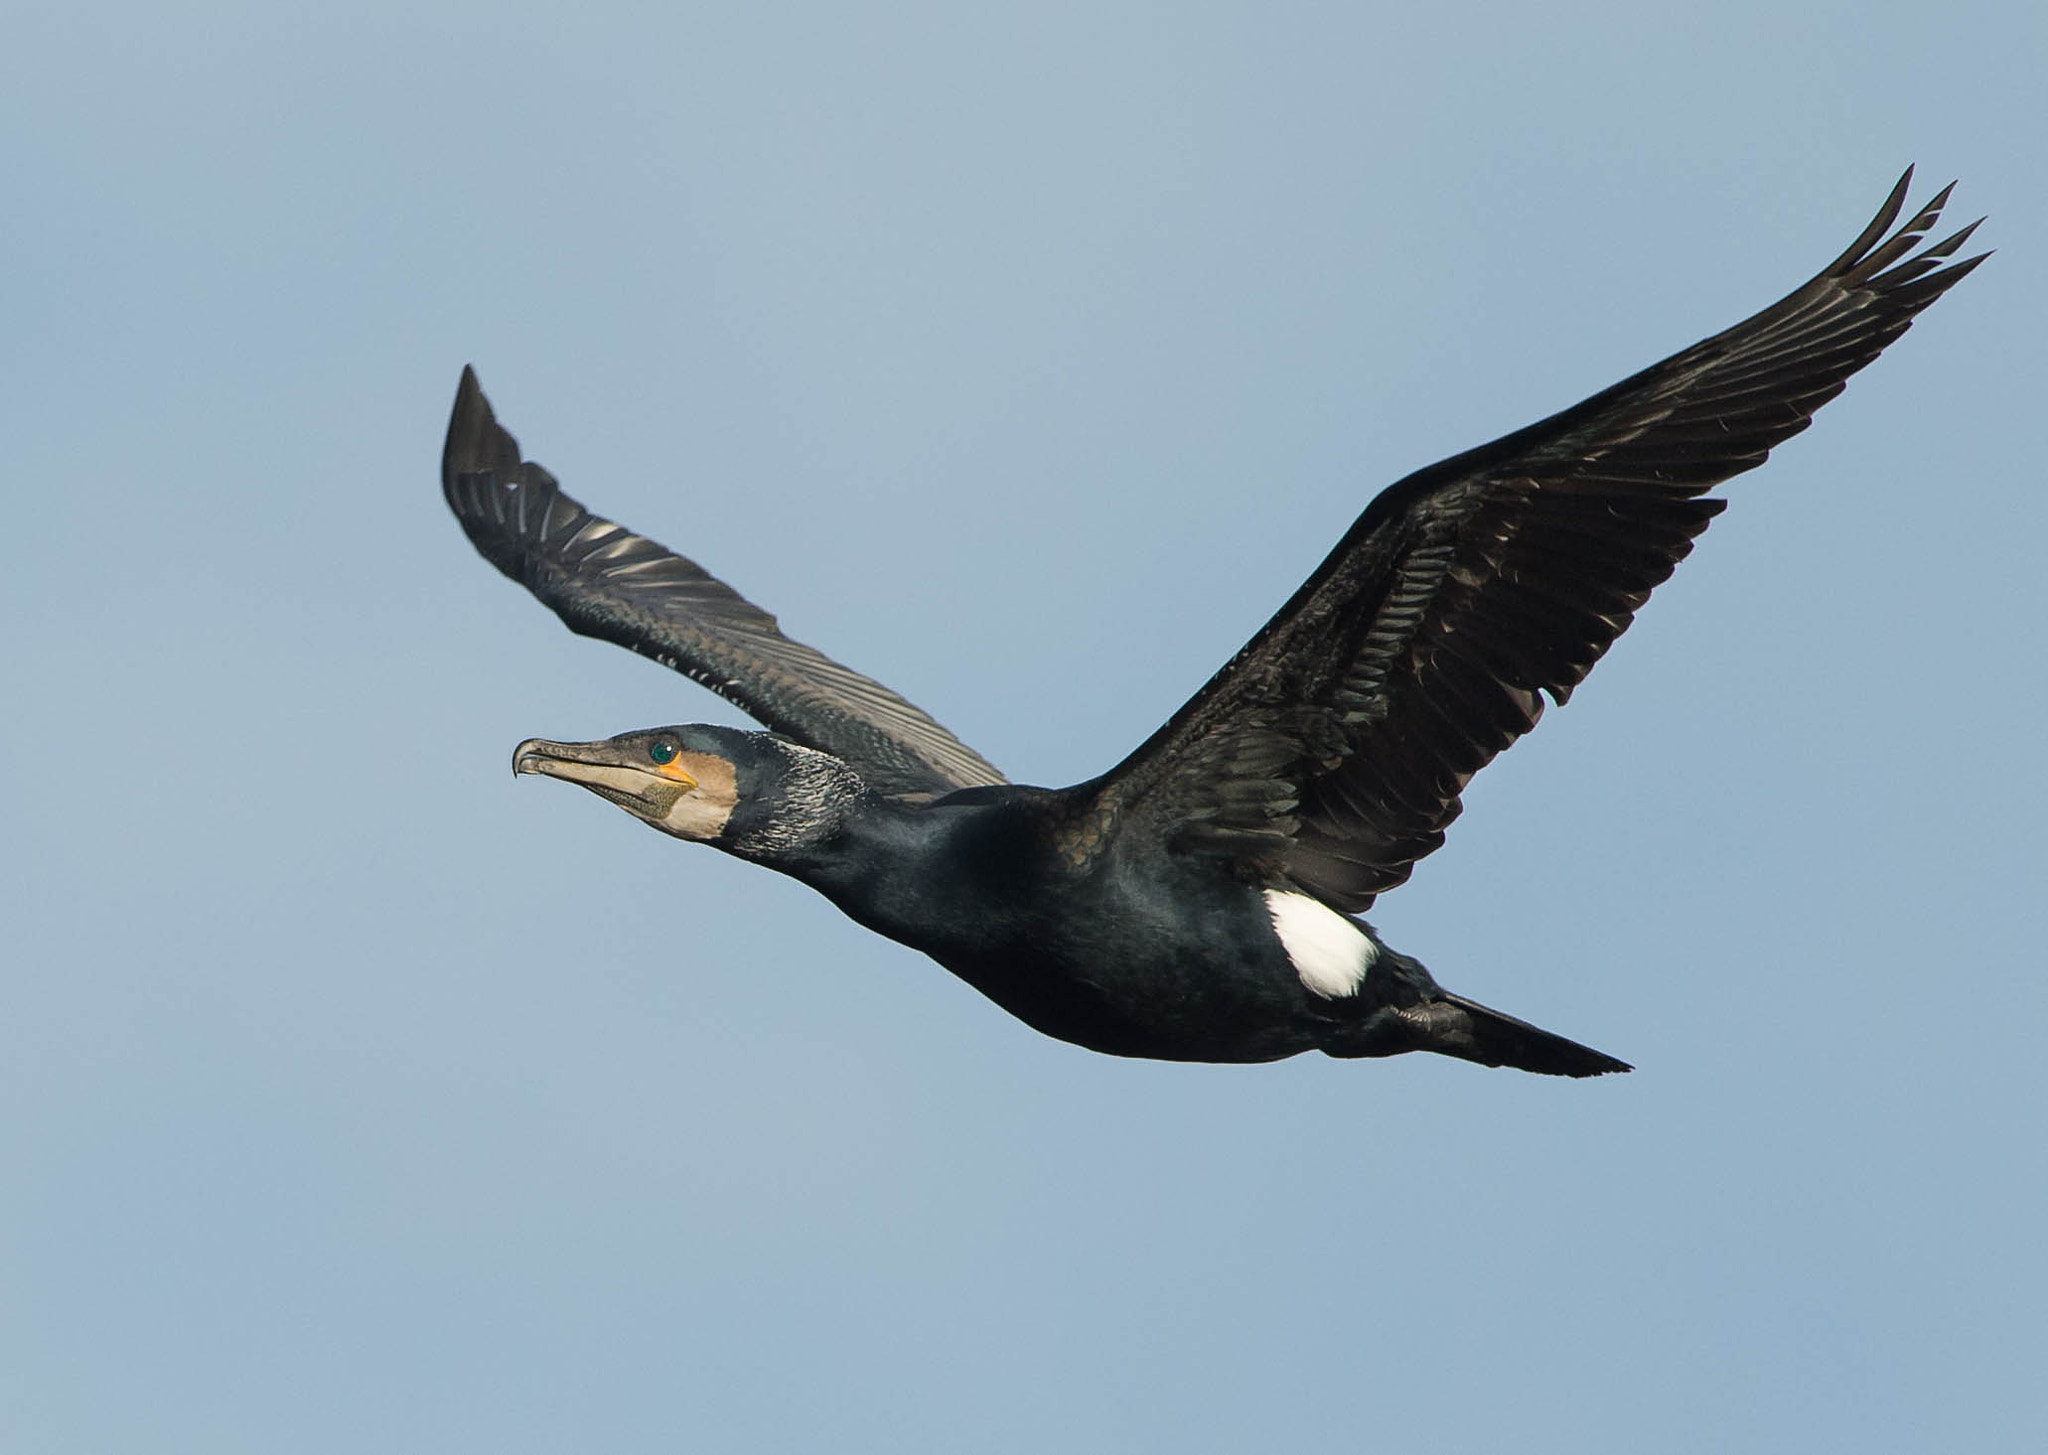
[1329, 952]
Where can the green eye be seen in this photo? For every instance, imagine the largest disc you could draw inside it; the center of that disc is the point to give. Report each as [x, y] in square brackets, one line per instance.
[663, 750]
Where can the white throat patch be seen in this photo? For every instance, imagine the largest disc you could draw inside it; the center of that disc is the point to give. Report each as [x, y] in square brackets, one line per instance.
[1329, 952]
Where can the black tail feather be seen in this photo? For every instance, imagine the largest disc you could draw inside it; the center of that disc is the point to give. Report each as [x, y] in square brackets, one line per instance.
[1454, 1026]
[1406, 1010]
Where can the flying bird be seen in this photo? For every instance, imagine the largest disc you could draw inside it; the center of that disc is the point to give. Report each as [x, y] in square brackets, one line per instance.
[1199, 900]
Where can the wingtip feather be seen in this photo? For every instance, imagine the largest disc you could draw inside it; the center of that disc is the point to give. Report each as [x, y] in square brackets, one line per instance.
[1879, 225]
[476, 441]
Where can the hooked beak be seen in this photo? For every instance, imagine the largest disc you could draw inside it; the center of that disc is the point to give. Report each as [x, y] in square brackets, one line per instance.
[603, 767]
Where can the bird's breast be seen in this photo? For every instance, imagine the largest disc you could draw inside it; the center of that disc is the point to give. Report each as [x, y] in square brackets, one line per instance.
[1141, 954]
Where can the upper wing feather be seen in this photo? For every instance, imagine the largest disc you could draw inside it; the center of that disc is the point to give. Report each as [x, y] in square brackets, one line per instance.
[604, 581]
[1334, 747]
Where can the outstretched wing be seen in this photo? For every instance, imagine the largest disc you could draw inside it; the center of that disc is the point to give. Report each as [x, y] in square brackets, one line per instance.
[1334, 747]
[604, 581]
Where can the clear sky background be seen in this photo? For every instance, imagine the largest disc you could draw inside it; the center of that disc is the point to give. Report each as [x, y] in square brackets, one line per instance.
[354, 1096]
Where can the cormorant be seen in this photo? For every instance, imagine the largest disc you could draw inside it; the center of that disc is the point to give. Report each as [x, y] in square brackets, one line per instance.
[1197, 901]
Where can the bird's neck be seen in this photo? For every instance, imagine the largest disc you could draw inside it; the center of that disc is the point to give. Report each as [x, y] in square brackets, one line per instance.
[801, 814]
[933, 876]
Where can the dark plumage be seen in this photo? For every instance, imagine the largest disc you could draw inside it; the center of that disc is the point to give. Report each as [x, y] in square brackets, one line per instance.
[1194, 902]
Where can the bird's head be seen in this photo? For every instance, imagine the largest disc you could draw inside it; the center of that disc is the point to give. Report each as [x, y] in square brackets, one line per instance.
[753, 794]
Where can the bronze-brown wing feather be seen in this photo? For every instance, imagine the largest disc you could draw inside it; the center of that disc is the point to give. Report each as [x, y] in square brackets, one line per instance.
[604, 581]
[1332, 750]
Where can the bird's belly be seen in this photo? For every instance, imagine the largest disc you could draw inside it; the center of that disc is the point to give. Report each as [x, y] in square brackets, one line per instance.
[1211, 989]
[1139, 955]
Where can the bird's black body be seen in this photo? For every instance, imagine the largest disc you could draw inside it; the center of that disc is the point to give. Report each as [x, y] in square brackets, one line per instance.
[1141, 954]
[1196, 902]
[1137, 951]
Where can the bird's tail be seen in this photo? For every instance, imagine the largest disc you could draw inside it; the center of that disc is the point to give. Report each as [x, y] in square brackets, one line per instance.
[1411, 1012]
[1454, 1026]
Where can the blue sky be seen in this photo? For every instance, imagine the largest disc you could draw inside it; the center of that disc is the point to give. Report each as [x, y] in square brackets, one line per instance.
[354, 1096]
